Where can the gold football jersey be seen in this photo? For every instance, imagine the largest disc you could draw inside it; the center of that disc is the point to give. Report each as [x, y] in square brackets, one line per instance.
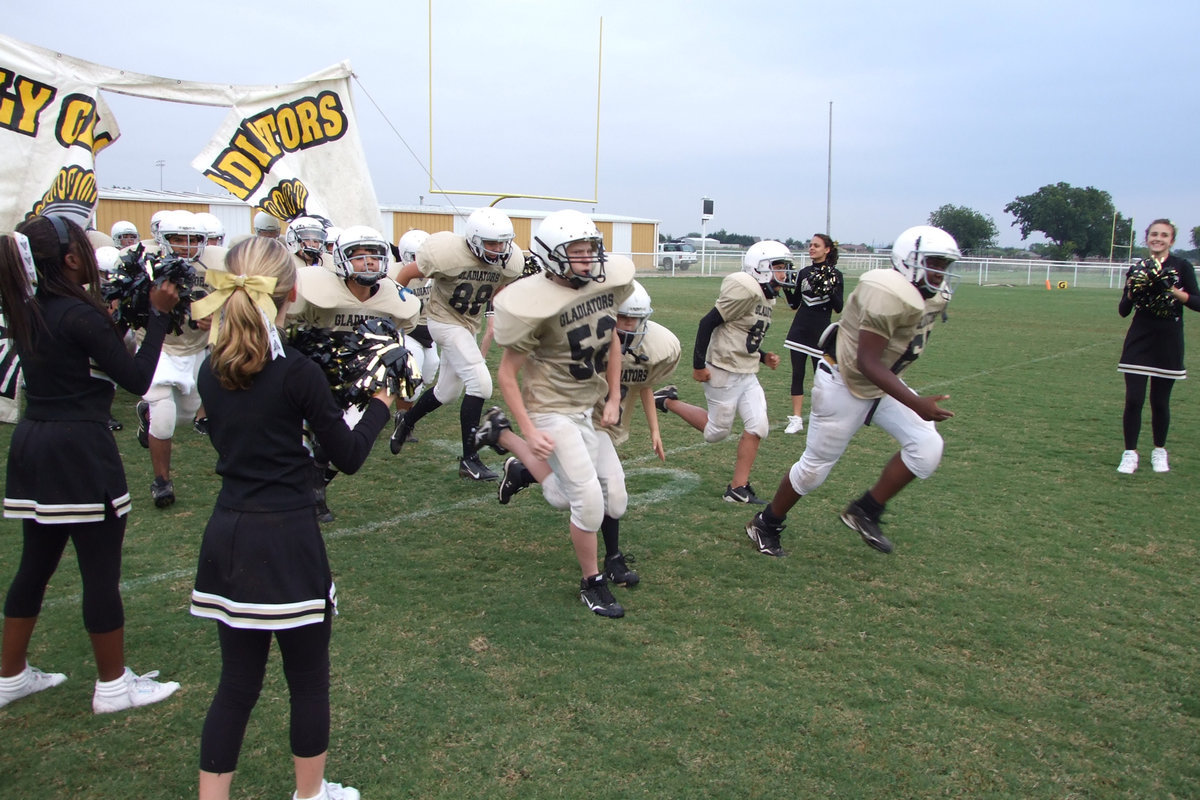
[463, 286]
[650, 363]
[747, 312]
[566, 333]
[324, 301]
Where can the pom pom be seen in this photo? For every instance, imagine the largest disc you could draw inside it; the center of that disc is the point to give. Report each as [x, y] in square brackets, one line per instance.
[1149, 285]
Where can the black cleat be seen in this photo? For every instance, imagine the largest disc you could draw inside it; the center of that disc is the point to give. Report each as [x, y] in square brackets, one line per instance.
[595, 594]
[616, 571]
[867, 527]
[512, 480]
[765, 537]
[471, 467]
[143, 415]
[663, 395]
[490, 427]
[742, 494]
[200, 425]
[114, 424]
[400, 435]
[163, 492]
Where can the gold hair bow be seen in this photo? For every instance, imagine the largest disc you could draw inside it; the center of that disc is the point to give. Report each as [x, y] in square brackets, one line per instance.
[259, 287]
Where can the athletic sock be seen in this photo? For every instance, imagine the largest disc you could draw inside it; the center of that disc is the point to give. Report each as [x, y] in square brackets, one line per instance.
[611, 530]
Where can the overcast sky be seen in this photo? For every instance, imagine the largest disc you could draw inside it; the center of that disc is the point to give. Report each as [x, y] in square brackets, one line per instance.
[933, 102]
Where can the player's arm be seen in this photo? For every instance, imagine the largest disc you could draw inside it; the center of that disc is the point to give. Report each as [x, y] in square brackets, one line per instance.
[612, 405]
[704, 332]
[870, 362]
[507, 376]
[408, 272]
[647, 394]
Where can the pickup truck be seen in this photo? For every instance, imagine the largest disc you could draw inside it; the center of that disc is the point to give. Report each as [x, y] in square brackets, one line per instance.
[676, 255]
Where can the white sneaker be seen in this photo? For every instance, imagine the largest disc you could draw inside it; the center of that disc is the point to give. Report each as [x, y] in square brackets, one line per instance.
[333, 791]
[795, 424]
[1129, 462]
[27, 682]
[130, 691]
[1158, 459]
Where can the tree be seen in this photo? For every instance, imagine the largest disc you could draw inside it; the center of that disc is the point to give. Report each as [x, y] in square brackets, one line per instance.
[1079, 222]
[972, 230]
[1196, 237]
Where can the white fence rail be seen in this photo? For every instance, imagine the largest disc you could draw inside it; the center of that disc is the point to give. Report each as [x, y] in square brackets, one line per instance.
[980, 271]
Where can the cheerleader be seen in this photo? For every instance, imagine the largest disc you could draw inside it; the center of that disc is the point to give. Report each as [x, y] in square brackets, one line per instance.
[815, 297]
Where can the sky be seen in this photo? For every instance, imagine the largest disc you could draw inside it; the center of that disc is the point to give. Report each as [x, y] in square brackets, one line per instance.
[971, 104]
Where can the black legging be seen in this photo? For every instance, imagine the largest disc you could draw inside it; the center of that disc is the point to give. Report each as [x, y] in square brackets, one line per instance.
[799, 359]
[98, 551]
[305, 652]
[1160, 408]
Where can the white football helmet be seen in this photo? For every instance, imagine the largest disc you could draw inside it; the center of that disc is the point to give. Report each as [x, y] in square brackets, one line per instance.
[266, 225]
[561, 229]
[636, 306]
[216, 230]
[763, 259]
[107, 259]
[409, 244]
[179, 232]
[361, 254]
[124, 233]
[490, 226]
[911, 253]
[154, 220]
[331, 236]
[306, 235]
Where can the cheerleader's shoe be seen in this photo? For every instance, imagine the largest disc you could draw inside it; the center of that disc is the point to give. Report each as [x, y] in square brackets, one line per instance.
[130, 690]
[1129, 462]
[28, 681]
[333, 791]
[1158, 460]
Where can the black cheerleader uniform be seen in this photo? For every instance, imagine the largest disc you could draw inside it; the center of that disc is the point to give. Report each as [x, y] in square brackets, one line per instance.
[63, 464]
[813, 312]
[1154, 344]
[262, 560]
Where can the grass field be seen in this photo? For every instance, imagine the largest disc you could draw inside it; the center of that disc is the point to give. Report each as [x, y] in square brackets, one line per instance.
[1034, 635]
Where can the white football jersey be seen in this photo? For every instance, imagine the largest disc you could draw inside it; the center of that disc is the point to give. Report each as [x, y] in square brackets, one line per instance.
[463, 286]
[566, 333]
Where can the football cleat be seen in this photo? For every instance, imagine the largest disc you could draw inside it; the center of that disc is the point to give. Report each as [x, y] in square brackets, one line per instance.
[400, 435]
[742, 494]
[1129, 462]
[795, 424]
[200, 425]
[595, 594]
[663, 395]
[163, 492]
[867, 527]
[114, 424]
[471, 467]
[765, 536]
[143, 415]
[490, 427]
[617, 571]
[1158, 460]
[512, 480]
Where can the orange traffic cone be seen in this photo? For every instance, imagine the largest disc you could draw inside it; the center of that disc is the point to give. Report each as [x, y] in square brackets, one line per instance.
[1047, 284]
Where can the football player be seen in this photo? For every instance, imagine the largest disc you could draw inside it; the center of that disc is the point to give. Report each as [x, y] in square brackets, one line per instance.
[884, 327]
[406, 253]
[562, 355]
[306, 239]
[649, 354]
[467, 272]
[727, 356]
[266, 225]
[124, 234]
[173, 395]
[359, 291]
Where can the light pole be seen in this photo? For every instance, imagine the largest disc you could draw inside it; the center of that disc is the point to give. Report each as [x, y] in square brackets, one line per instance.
[160, 164]
[829, 173]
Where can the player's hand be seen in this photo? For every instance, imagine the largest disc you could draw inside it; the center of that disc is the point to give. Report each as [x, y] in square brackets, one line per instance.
[611, 414]
[771, 360]
[701, 375]
[928, 408]
[164, 296]
[658, 448]
[540, 442]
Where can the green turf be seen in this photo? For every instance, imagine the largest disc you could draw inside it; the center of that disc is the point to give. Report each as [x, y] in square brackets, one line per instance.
[1034, 635]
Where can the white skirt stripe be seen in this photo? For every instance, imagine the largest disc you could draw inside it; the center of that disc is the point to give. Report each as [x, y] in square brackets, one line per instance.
[63, 513]
[1153, 372]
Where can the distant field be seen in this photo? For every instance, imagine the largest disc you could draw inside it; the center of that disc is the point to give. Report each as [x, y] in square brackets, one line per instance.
[1034, 635]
